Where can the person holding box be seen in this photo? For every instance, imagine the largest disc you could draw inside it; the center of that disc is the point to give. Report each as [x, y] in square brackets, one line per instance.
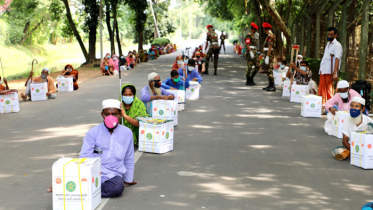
[329, 66]
[71, 72]
[175, 82]
[5, 89]
[154, 90]
[356, 122]
[113, 143]
[44, 77]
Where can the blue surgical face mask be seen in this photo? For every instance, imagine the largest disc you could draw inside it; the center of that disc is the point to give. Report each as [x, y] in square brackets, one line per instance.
[355, 113]
[330, 39]
[43, 76]
[186, 61]
[127, 99]
[282, 66]
[279, 63]
[0, 82]
[179, 62]
[108, 56]
[303, 68]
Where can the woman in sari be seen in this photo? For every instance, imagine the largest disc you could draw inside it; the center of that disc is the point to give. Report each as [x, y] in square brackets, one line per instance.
[178, 63]
[71, 72]
[132, 107]
[142, 56]
[106, 68]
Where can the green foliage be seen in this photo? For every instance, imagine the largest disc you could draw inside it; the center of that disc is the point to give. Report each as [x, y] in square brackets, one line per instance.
[66, 30]
[160, 41]
[56, 8]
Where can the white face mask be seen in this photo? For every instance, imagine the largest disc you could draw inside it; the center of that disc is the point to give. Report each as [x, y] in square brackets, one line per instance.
[190, 68]
[115, 58]
[344, 95]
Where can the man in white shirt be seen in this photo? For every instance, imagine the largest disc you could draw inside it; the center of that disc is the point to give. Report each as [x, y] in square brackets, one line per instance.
[356, 122]
[330, 64]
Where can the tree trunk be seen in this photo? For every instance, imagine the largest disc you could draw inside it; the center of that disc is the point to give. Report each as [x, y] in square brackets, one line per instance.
[331, 12]
[301, 41]
[317, 36]
[260, 21]
[364, 40]
[141, 41]
[73, 27]
[108, 24]
[118, 38]
[343, 37]
[27, 26]
[310, 13]
[92, 45]
[29, 33]
[115, 17]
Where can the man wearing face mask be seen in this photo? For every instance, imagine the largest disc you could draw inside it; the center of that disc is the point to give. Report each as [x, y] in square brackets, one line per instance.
[330, 65]
[175, 82]
[44, 77]
[214, 49]
[356, 122]
[200, 63]
[154, 91]
[303, 75]
[299, 59]
[191, 73]
[71, 72]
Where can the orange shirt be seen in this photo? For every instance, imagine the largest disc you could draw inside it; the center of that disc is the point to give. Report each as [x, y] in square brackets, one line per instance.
[2, 87]
[51, 87]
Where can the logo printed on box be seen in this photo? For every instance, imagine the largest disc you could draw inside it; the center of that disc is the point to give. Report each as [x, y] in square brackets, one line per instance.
[70, 186]
[7, 102]
[58, 181]
[149, 136]
[192, 90]
[357, 148]
[96, 183]
[313, 105]
[369, 146]
[161, 112]
[37, 90]
[167, 135]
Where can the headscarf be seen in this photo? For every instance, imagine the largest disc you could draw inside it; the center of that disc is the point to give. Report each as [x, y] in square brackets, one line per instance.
[115, 63]
[157, 91]
[73, 72]
[137, 109]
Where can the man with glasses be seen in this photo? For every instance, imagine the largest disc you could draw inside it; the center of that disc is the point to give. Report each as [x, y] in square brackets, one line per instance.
[154, 91]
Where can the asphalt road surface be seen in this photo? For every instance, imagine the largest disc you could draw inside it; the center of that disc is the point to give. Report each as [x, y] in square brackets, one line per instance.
[237, 147]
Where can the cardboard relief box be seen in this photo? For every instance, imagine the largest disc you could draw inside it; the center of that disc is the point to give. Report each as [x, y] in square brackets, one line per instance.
[9, 103]
[163, 109]
[39, 91]
[278, 76]
[297, 91]
[156, 136]
[192, 92]
[361, 151]
[76, 183]
[337, 124]
[286, 89]
[65, 84]
[311, 106]
[179, 97]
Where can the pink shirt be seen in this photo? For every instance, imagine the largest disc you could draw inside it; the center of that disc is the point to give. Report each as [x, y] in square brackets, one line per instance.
[338, 100]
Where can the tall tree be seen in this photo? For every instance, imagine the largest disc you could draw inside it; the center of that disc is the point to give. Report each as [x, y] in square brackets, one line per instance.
[92, 10]
[317, 37]
[75, 31]
[343, 36]
[139, 7]
[364, 40]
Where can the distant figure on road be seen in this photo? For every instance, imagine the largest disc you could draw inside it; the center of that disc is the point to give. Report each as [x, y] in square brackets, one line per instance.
[132, 107]
[175, 82]
[356, 121]
[200, 63]
[71, 72]
[154, 90]
[44, 77]
[222, 41]
[152, 54]
[113, 143]
[212, 38]
[106, 68]
[5, 89]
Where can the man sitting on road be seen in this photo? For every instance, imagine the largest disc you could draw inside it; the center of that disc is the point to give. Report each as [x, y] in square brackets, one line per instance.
[44, 77]
[154, 90]
[339, 102]
[151, 54]
[356, 122]
[113, 143]
[175, 82]
[5, 89]
[192, 74]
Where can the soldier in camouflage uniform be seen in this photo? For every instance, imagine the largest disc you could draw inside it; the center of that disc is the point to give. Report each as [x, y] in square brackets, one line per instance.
[222, 41]
[213, 38]
[269, 48]
[251, 56]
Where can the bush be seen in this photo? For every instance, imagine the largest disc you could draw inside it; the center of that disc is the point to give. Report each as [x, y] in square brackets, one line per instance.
[160, 41]
[315, 67]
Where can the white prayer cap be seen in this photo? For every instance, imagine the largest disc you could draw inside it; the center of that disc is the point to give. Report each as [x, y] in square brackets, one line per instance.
[358, 100]
[300, 56]
[343, 84]
[111, 103]
[45, 69]
[152, 75]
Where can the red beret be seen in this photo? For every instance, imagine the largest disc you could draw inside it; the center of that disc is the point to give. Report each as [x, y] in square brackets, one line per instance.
[208, 26]
[254, 26]
[267, 25]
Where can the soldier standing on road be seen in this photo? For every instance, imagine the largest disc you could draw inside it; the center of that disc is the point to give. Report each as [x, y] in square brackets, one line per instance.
[251, 56]
[222, 43]
[212, 37]
[269, 48]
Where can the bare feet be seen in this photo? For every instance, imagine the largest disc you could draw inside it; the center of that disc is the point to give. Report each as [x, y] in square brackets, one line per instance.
[49, 190]
[24, 97]
[103, 74]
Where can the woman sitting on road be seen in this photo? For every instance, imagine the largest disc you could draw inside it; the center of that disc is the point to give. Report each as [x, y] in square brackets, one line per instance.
[115, 62]
[178, 63]
[105, 67]
[132, 107]
[131, 60]
[136, 56]
[143, 57]
[71, 72]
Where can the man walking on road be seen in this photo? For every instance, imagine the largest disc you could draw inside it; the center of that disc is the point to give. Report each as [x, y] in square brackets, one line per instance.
[222, 41]
[212, 37]
[269, 48]
[330, 65]
[251, 57]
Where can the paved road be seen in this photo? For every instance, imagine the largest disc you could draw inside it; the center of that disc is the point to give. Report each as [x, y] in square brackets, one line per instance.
[235, 148]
